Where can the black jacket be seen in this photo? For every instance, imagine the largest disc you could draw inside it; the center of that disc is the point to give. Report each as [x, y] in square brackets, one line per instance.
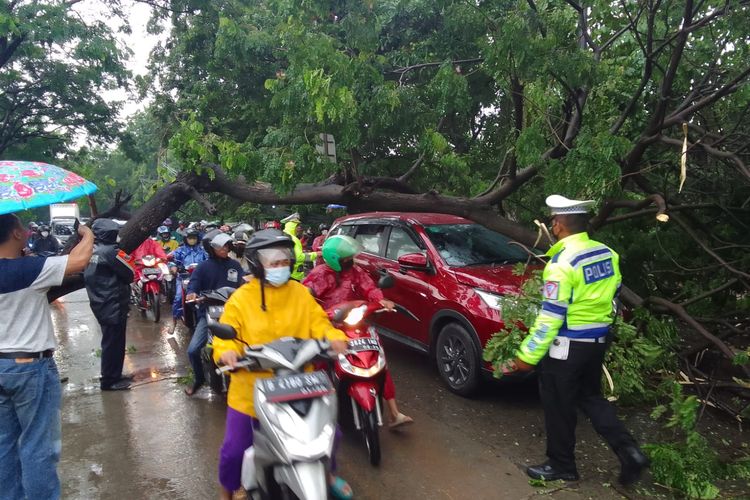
[108, 276]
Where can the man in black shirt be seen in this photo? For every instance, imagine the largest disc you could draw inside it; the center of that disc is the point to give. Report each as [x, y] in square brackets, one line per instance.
[216, 272]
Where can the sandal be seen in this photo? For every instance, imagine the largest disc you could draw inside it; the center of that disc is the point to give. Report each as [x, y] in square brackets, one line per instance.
[400, 420]
[340, 489]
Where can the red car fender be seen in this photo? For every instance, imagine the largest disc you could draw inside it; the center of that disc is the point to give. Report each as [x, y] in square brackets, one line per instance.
[364, 393]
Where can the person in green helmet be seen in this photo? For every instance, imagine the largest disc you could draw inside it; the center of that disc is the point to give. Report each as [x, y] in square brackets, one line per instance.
[291, 226]
[339, 280]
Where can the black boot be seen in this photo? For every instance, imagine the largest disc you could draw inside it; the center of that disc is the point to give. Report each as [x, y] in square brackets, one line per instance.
[633, 463]
[547, 472]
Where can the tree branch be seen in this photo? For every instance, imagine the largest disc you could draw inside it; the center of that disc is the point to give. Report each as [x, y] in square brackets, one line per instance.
[708, 250]
[609, 206]
[415, 166]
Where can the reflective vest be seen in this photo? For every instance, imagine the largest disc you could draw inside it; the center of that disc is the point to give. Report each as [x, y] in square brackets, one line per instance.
[580, 283]
[300, 256]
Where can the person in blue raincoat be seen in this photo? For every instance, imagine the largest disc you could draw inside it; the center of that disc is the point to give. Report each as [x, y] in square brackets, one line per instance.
[190, 252]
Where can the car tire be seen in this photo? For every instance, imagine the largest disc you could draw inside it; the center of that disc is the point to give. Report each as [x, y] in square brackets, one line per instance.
[457, 360]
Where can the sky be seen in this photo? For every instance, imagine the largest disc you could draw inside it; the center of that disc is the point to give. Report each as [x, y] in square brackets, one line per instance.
[140, 42]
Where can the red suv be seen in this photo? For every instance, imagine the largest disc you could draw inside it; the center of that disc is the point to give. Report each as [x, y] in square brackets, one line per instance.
[451, 273]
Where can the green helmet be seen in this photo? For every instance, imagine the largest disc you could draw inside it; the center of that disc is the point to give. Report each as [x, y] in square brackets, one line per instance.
[339, 247]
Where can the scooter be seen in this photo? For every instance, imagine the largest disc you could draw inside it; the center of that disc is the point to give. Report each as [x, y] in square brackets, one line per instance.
[297, 415]
[147, 287]
[360, 372]
[214, 301]
[188, 311]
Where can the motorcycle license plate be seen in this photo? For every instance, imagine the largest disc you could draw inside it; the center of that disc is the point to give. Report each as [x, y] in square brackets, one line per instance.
[296, 387]
[151, 272]
[364, 344]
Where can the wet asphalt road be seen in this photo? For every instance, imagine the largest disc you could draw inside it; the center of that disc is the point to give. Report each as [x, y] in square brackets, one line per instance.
[155, 442]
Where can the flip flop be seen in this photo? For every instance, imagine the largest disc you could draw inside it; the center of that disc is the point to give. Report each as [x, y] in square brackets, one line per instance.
[401, 419]
[338, 489]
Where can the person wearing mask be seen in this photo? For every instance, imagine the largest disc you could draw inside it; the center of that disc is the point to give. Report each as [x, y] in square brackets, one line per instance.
[569, 340]
[268, 307]
[238, 250]
[108, 277]
[341, 280]
[164, 237]
[291, 225]
[30, 390]
[180, 232]
[216, 272]
[46, 244]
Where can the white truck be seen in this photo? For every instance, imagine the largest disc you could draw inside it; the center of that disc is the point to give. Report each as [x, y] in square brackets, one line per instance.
[62, 219]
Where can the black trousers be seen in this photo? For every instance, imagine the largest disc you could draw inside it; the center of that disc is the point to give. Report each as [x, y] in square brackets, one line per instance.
[575, 383]
[113, 352]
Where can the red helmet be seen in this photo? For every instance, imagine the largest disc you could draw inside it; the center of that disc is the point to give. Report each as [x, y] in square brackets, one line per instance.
[272, 224]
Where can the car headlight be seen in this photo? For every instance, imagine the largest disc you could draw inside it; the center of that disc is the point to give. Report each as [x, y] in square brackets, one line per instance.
[492, 300]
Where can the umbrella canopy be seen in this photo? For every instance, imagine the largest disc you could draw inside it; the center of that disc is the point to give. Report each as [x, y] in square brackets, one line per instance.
[29, 184]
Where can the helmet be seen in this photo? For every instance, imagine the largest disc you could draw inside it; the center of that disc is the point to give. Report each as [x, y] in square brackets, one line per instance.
[33, 226]
[267, 238]
[192, 233]
[210, 226]
[167, 222]
[162, 229]
[339, 247]
[272, 224]
[207, 237]
[44, 227]
[323, 227]
[242, 236]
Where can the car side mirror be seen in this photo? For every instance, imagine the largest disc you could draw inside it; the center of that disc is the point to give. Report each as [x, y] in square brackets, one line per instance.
[414, 262]
[223, 331]
[386, 281]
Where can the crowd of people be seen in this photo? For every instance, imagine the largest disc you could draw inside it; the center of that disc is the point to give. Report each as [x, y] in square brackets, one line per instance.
[284, 280]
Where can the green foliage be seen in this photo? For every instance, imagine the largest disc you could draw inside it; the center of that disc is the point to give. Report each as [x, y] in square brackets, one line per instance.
[688, 463]
[54, 68]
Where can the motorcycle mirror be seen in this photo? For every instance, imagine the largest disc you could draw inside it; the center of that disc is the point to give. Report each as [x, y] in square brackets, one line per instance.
[386, 281]
[339, 315]
[223, 331]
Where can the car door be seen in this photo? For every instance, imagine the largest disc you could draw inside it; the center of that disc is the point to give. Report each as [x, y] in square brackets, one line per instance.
[412, 289]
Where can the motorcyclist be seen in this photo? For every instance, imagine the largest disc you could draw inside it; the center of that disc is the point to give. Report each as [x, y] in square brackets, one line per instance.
[341, 280]
[45, 243]
[291, 224]
[190, 252]
[270, 306]
[165, 239]
[241, 238]
[216, 272]
[317, 244]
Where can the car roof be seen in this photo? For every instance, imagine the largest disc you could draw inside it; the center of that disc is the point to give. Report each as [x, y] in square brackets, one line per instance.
[423, 218]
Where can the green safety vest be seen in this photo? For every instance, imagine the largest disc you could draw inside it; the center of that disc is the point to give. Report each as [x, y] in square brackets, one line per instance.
[300, 256]
[580, 283]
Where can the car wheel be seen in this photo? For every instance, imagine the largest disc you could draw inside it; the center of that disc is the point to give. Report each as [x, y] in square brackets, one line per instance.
[457, 359]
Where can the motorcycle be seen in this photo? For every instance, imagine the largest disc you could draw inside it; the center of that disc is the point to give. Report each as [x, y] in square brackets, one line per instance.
[146, 290]
[168, 285]
[214, 301]
[188, 311]
[297, 415]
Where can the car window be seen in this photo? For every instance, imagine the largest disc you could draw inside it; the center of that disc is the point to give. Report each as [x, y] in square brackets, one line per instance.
[344, 229]
[463, 245]
[370, 237]
[400, 243]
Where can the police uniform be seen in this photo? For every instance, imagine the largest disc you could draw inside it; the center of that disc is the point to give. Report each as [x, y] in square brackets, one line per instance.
[300, 256]
[568, 341]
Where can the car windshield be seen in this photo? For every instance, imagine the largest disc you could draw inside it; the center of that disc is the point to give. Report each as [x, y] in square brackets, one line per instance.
[462, 245]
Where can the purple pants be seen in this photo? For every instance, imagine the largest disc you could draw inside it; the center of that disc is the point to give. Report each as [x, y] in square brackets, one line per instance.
[238, 437]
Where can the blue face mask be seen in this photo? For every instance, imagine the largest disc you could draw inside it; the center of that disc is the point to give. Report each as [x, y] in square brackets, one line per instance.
[278, 275]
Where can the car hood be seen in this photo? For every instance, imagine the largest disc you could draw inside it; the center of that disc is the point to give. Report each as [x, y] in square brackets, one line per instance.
[495, 279]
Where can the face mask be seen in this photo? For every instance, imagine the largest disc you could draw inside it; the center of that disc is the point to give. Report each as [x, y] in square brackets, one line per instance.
[117, 240]
[278, 275]
[45, 234]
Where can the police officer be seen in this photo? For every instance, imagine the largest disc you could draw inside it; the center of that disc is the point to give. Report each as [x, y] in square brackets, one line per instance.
[291, 224]
[569, 340]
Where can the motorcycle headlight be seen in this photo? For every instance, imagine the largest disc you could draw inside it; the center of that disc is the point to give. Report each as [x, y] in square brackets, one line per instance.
[148, 261]
[362, 372]
[355, 315]
[491, 300]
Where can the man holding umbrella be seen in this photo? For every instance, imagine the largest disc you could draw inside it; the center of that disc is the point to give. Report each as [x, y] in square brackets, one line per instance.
[30, 392]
